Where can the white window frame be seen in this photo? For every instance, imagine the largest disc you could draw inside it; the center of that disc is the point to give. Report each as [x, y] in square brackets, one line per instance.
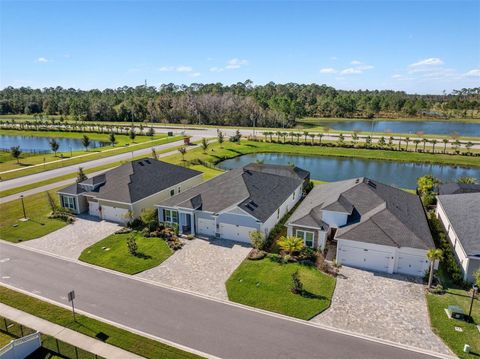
[169, 215]
[69, 202]
[304, 236]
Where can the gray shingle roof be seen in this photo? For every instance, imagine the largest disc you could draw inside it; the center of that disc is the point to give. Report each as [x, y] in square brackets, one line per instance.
[257, 192]
[135, 180]
[463, 212]
[378, 213]
[457, 188]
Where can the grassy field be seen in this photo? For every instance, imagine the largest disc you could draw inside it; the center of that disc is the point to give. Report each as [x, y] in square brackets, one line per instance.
[445, 327]
[112, 253]
[5, 338]
[27, 163]
[266, 284]
[217, 153]
[134, 343]
[37, 210]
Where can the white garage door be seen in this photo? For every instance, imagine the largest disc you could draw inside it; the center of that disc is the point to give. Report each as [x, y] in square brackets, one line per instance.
[236, 233]
[364, 258]
[114, 214]
[412, 265]
[93, 209]
[206, 226]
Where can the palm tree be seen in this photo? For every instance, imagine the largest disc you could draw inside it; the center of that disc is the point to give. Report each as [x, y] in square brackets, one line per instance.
[204, 145]
[390, 141]
[290, 244]
[407, 140]
[298, 135]
[182, 151]
[399, 143]
[284, 135]
[424, 143]
[305, 134]
[381, 141]
[320, 135]
[468, 145]
[433, 142]
[457, 144]
[312, 137]
[445, 142]
[416, 142]
[354, 138]
[433, 255]
[292, 134]
[279, 134]
[341, 138]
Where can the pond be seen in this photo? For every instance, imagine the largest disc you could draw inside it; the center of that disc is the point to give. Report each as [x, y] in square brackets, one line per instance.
[36, 144]
[329, 169]
[427, 127]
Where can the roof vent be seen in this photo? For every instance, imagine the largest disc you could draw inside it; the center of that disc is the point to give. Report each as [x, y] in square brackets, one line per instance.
[141, 164]
[250, 207]
[357, 180]
[371, 184]
[253, 204]
[148, 161]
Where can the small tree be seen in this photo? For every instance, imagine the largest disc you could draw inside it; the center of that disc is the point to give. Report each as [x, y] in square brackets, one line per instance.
[132, 245]
[51, 202]
[112, 139]
[132, 134]
[433, 255]
[297, 285]
[81, 176]
[54, 146]
[204, 145]
[290, 244]
[257, 239]
[85, 142]
[182, 151]
[154, 154]
[16, 152]
[150, 132]
[445, 143]
[220, 138]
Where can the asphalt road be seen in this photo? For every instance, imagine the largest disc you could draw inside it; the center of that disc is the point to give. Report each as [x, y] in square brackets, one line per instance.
[212, 327]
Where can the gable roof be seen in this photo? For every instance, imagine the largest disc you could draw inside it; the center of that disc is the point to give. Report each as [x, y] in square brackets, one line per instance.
[457, 188]
[463, 212]
[377, 213]
[134, 180]
[257, 192]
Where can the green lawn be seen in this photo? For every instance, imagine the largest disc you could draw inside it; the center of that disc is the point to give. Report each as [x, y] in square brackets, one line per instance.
[134, 343]
[37, 210]
[112, 253]
[5, 338]
[445, 327]
[266, 284]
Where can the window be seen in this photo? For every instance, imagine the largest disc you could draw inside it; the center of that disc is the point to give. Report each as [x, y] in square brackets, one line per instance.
[293, 195]
[172, 192]
[179, 188]
[307, 237]
[170, 216]
[69, 202]
[278, 213]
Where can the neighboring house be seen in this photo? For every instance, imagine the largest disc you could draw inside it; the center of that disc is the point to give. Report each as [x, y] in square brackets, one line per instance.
[460, 215]
[236, 202]
[457, 188]
[375, 226]
[123, 192]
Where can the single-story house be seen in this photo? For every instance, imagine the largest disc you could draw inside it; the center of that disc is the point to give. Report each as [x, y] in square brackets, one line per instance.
[123, 192]
[457, 188]
[237, 202]
[460, 215]
[375, 226]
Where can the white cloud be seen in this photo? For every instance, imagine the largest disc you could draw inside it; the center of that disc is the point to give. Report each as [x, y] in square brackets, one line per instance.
[432, 61]
[180, 68]
[195, 74]
[355, 62]
[351, 71]
[216, 69]
[397, 76]
[42, 60]
[473, 73]
[328, 70]
[235, 63]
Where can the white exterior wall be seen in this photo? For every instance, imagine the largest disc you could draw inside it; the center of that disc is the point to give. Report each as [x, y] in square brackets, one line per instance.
[462, 258]
[334, 219]
[284, 208]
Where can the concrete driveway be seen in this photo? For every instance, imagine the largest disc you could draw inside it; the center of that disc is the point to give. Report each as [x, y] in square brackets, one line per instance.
[72, 239]
[391, 307]
[201, 266]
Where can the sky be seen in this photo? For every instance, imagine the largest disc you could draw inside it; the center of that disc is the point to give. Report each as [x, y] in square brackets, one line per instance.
[417, 47]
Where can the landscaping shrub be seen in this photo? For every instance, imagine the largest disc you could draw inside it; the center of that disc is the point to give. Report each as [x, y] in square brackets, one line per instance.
[297, 285]
[256, 254]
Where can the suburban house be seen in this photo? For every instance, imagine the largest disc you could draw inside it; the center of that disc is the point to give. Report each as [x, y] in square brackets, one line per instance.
[457, 188]
[460, 215]
[375, 226]
[237, 202]
[123, 192]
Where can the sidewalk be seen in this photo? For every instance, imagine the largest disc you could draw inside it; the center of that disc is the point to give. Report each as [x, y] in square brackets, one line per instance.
[66, 335]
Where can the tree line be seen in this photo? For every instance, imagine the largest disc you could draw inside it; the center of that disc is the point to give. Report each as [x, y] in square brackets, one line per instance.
[241, 104]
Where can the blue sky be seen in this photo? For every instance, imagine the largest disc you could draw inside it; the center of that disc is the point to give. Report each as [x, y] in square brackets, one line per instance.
[422, 46]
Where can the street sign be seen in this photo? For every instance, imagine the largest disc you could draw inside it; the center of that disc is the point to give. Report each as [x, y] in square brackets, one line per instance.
[71, 296]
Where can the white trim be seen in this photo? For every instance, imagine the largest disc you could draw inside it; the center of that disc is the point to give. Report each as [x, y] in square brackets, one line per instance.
[304, 237]
[302, 226]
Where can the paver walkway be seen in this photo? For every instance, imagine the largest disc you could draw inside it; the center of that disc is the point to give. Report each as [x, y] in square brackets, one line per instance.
[66, 335]
[201, 266]
[390, 307]
[72, 239]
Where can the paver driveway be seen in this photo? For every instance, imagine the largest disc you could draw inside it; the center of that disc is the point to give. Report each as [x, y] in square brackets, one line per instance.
[201, 266]
[71, 240]
[389, 307]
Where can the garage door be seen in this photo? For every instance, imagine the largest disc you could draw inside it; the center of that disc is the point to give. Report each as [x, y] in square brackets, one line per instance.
[236, 233]
[364, 258]
[93, 209]
[412, 265]
[114, 214]
[206, 226]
